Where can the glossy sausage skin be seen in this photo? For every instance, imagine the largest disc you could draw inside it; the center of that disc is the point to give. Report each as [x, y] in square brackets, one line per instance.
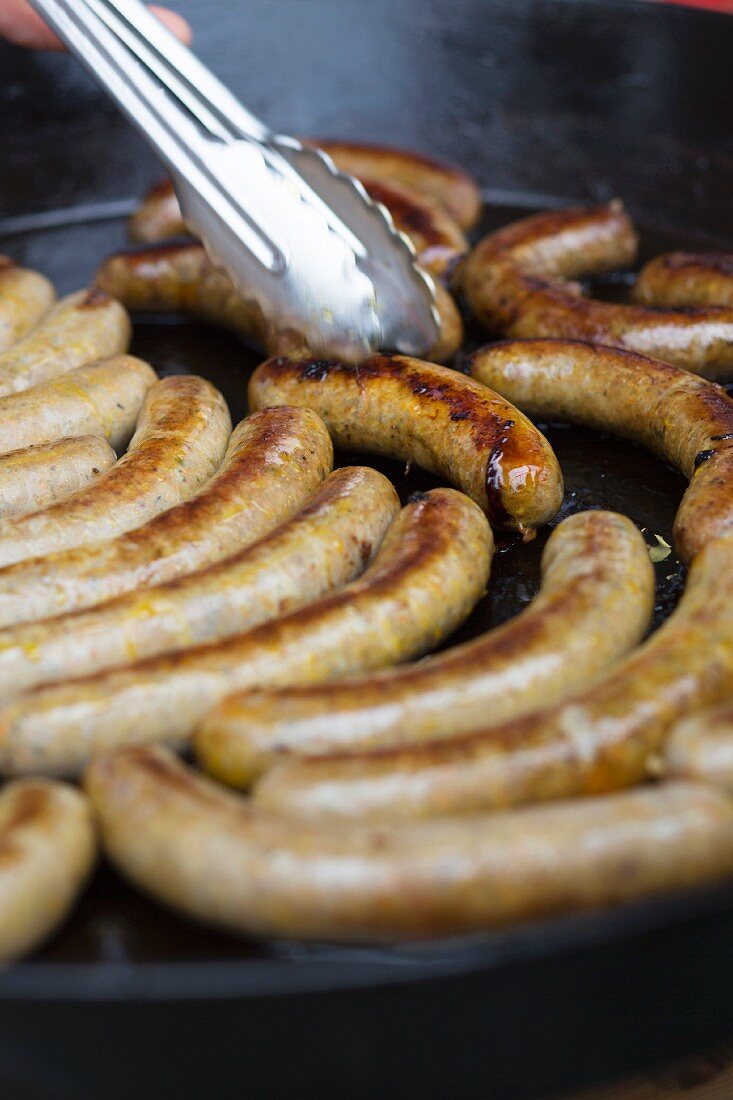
[47, 852]
[595, 603]
[683, 280]
[102, 399]
[158, 216]
[701, 747]
[37, 476]
[514, 281]
[274, 461]
[325, 545]
[610, 735]
[24, 298]
[682, 418]
[429, 572]
[209, 854]
[435, 417]
[84, 327]
[180, 440]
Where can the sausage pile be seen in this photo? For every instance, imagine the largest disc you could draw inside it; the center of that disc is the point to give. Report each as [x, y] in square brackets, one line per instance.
[169, 583]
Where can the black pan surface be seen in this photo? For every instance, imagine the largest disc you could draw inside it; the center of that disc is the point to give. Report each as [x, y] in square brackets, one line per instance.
[129, 996]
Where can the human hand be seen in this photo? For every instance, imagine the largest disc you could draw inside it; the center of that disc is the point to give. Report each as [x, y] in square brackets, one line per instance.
[20, 24]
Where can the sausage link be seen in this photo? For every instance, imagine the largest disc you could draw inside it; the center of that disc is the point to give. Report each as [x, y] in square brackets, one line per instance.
[435, 417]
[37, 476]
[429, 572]
[179, 442]
[513, 282]
[683, 280]
[682, 418]
[158, 217]
[701, 747]
[24, 298]
[274, 461]
[102, 399]
[610, 735]
[326, 545]
[48, 848]
[84, 327]
[209, 854]
[595, 603]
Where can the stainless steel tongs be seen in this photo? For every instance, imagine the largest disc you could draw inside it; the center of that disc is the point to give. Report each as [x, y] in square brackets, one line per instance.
[296, 236]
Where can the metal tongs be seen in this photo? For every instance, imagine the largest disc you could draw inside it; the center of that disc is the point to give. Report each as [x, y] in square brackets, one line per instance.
[295, 235]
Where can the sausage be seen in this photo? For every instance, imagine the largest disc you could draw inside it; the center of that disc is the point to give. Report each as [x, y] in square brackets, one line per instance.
[209, 854]
[180, 277]
[701, 747]
[102, 399]
[595, 603]
[682, 280]
[47, 852]
[24, 298]
[274, 461]
[180, 440]
[429, 572]
[682, 418]
[325, 545]
[158, 216]
[37, 476]
[513, 281]
[610, 735]
[435, 417]
[86, 326]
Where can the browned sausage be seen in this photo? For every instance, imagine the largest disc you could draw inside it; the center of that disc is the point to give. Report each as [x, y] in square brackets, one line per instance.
[158, 216]
[24, 297]
[179, 442]
[274, 461]
[47, 851]
[701, 747]
[435, 417]
[678, 416]
[595, 603]
[611, 735]
[210, 855]
[86, 326]
[429, 572]
[514, 282]
[686, 279]
[37, 476]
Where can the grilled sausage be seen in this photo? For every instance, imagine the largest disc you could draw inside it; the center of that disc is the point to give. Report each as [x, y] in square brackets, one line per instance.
[513, 282]
[24, 298]
[210, 855]
[158, 216]
[274, 461]
[47, 851]
[595, 603]
[430, 570]
[701, 747]
[86, 326]
[680, 417]
[102, 399]
[448, 424]
[37, 476]
[610, 735]
[682, 280]
[180, 440]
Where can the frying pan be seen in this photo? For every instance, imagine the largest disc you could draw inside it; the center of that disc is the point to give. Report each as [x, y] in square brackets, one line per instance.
[548, 102]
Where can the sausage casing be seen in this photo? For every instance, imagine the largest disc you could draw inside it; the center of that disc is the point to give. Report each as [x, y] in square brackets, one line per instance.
[701, 747]
[683, 280]
[37, 476]
[24, 297]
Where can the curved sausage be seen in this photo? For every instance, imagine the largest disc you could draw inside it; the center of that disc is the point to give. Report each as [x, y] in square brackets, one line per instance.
[180, 440]
[435, 417]
[682, 418]
[158, 216]
[47, 852]
[514, 282]
[274, 461]
[37, 476]
[610, 735]
[102, 399]
[595, 603]
[24, 298]
[325, 545]
[701, 747]
[429, 572]
[682, 280]
[86, 326]
[210, 855]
